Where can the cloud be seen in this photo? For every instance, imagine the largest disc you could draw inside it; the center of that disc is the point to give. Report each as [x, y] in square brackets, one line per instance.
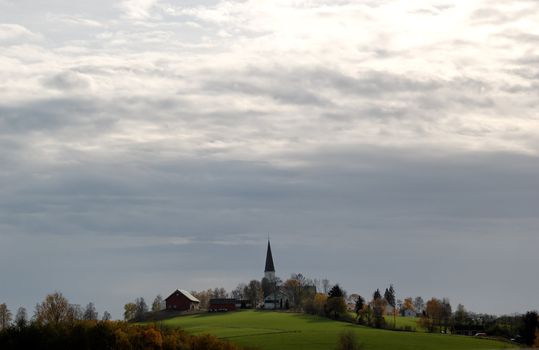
[11, 33]
[175, 133]
[69, 81]
[137, 9]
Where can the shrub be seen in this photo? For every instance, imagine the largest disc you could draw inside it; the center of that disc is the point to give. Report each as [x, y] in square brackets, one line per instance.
[348, 341]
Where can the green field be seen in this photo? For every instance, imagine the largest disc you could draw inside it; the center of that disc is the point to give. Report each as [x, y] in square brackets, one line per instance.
[402, 322]
[283, 331]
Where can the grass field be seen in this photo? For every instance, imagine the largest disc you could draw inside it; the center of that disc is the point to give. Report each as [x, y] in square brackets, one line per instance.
[288, 331]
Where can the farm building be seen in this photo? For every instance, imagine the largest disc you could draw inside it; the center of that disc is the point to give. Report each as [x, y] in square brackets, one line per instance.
[182, 300]
[222, 305]
[228, 304]
[277, 300]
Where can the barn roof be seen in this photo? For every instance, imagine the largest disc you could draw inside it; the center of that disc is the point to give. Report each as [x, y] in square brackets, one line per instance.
[189, 295]
[186, 294]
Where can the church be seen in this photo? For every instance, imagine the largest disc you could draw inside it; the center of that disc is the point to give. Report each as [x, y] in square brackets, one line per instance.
[278, 299]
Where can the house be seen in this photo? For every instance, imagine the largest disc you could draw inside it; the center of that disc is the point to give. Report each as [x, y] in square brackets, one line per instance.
[222, 305]
[409, 313]
[182, 300]
[277, 300]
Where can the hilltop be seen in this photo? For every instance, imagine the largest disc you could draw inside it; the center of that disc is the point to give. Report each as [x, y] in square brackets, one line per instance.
[283, 330]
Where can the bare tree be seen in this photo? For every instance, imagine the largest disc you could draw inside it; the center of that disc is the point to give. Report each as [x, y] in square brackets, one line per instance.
[21, 318]
[238, 293]
[157, 304]
[106, 316]
[142, 308]
[90, 313]
[5, 317]
[326, 286]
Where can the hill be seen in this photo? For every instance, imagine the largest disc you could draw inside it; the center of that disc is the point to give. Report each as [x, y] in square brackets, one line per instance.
[283, 331]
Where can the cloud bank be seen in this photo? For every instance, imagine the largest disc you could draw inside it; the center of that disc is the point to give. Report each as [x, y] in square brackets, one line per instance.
[153, 143]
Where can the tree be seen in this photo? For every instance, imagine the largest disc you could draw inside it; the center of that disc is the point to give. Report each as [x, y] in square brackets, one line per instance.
[326, 286]
[378, 311]
[21, 318]
[254, 292]
[336, 292]
[335, 304]
[408, 304]
[5, 317]
[419, 305]
[90, 313]
[390, 297]
[358, 308]
[239, 292]
[141, 310]
[74, 313]
[445, 315]
[106, 316]
[55, 309]
[529, 327]
[433, 315]
[376, 295]
[130, 311]
[461, 315]
[157, 304]
[360, 303]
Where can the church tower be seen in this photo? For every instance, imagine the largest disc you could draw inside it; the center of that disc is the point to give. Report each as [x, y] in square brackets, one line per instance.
[269, 271]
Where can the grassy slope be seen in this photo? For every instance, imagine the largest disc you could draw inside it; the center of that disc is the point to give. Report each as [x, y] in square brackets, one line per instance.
[273, 330]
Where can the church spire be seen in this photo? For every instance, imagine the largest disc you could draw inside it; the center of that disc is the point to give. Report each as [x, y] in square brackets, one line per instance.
[269, 271]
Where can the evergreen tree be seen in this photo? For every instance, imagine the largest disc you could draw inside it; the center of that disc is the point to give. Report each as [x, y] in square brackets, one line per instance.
[389, 296]
[360, 303]
[336, 292]
[529, 325]
[377, 295]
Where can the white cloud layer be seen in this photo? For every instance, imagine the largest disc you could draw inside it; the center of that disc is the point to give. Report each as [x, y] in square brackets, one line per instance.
[191, 122]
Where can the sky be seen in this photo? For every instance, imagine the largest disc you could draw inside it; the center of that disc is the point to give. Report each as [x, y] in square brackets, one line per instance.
[149, 145]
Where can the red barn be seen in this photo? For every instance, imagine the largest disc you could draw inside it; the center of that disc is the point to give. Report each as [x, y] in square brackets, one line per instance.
[182, 300]
[222, 305]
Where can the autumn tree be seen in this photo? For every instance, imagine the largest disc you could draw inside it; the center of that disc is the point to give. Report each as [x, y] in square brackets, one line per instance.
[433, 315]
[408, 304]
[5, 316]
[157, 304]
[54, 309]
[130, 311]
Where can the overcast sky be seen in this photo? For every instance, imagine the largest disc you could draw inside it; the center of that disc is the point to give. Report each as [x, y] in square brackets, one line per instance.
[149, 145]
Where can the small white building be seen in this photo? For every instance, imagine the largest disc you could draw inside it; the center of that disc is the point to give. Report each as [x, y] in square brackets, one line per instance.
[277, 301]
[409, 313]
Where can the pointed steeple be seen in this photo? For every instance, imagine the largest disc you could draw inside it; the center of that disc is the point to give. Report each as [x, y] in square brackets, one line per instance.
[269, 260]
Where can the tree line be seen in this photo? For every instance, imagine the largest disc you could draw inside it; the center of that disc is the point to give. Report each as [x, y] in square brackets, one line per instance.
[59, 325]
